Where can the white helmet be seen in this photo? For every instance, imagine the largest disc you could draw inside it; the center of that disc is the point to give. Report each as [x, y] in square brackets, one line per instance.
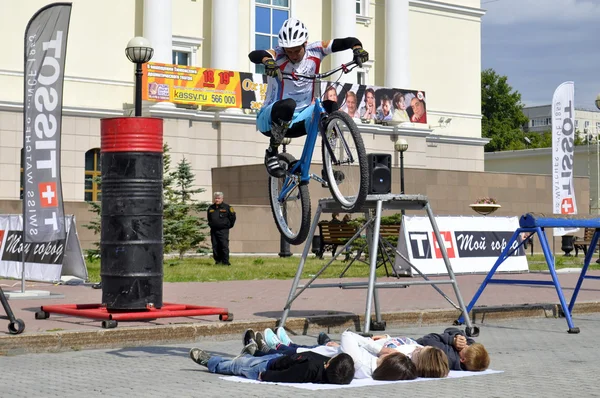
[293, 33]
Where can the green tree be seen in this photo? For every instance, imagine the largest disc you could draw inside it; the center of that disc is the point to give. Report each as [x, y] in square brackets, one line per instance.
[183, 227]
[502, 113]
[94, 226]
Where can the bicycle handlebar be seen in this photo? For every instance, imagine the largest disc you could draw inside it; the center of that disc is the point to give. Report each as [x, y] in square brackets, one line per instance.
[346, 68]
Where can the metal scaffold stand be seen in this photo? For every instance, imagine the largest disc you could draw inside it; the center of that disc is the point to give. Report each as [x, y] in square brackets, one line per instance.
[373, 207]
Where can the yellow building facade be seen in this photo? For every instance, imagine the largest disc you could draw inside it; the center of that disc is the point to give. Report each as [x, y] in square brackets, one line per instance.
[432, 46]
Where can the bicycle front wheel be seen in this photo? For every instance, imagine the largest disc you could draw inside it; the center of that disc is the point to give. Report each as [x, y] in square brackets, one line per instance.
[292, 211]
[345, 161]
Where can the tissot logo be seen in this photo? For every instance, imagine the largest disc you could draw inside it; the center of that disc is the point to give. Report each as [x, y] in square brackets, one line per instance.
[419, 244]
[48, 196]
[566, 206]
[447, 241]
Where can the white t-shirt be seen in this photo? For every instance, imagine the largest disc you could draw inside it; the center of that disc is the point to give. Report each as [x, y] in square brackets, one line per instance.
[301, 90]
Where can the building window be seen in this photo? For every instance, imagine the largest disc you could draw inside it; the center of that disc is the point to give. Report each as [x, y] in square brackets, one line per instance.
[181, 58]
[598, 127]
[92, 175]
[576, 123]
[587, 124]
[185, 50]
[269, 15]
[360, 7]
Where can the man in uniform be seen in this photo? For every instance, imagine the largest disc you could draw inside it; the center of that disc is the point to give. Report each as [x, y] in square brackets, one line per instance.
[221, 218]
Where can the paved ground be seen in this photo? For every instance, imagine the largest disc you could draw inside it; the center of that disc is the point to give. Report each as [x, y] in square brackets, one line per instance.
[538, 359]
[263, 300]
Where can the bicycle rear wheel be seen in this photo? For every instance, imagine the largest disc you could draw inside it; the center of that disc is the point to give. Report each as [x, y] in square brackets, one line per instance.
[345, 161]
[292, 214]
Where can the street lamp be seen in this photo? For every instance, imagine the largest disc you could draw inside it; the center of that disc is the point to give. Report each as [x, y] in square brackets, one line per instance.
[139, 51]
[401, 146]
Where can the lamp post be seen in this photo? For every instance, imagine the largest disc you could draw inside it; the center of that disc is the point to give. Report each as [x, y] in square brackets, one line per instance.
[401, 146]
[139, 51]
[284, 245]
[597, 162]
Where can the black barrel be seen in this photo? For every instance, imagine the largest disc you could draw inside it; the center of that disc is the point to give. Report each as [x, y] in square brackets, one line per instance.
[131, 241]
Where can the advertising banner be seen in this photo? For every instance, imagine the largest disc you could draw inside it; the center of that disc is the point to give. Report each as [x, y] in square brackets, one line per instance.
[473, 244]
[188, 85]
[44, 261]
[45, 53]
[220, 88]
[563, 145]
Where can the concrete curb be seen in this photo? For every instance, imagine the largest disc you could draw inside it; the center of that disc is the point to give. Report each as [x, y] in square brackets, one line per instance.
[60, 341]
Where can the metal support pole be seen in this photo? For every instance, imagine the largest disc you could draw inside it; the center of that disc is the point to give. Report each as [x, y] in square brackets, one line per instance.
[138, 89]
[402, 177]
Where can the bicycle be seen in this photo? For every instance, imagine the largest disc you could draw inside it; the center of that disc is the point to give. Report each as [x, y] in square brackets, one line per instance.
[344, 165]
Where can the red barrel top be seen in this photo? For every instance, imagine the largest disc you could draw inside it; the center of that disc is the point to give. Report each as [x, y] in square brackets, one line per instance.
[131, 134]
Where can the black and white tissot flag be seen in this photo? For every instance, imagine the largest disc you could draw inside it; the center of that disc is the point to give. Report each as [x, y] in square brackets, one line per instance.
[45, 51]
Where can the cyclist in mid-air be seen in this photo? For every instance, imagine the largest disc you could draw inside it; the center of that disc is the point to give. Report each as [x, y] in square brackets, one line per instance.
[289, 103]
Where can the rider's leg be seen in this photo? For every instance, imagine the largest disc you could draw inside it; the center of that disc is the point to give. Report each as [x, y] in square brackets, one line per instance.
[273, 121]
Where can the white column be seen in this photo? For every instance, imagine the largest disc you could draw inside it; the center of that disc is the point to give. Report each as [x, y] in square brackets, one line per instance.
[224, 46]
[158, 29]
[343, 24]
[397, 39]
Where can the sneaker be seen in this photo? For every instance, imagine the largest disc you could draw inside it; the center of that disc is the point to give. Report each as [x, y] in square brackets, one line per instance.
[323, 339]
[249, 349]
[249, 337]
[271, 339]
[199, 356]
[283, 336]
[273, 165]
[260, 342]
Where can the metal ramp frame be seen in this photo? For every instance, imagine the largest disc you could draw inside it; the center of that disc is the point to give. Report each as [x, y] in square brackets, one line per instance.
[372, 225]
[535, 223]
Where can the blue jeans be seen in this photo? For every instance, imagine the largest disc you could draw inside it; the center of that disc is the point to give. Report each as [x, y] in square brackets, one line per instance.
[263, 119]
[246, 365]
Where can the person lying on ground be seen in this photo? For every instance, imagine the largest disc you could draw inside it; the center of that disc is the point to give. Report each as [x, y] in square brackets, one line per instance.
[307, 367]
[387, 366]
[462, 351]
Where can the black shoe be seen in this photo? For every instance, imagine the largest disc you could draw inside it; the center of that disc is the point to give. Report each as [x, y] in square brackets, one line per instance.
[199, 356]
[249, 336]
[97, 285]
[227, 263]
[249, 349]
[323, 338]
[261, 343]
[273, 165]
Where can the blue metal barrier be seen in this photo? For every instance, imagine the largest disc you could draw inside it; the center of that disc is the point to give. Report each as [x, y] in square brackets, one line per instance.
[534, 223]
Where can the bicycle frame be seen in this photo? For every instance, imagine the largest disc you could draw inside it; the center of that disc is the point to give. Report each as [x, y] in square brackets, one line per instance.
[312, 131]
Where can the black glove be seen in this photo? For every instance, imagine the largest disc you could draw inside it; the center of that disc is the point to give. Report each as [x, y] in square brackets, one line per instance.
[272, 69]
[360, 56]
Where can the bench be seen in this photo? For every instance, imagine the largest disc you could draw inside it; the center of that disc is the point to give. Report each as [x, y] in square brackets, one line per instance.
[582, 244]
[332, 235]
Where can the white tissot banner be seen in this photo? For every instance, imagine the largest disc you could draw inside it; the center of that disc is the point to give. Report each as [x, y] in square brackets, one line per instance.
[563, 145]
[473, 244]
[44, 261]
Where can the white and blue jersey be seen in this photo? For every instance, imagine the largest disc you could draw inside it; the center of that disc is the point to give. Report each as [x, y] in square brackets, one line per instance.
[301, 91]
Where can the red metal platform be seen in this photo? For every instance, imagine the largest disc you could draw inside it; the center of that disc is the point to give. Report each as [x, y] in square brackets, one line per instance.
[110, 317]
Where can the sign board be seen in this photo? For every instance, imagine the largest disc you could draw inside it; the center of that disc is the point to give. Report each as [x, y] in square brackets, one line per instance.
[473, 244]
[44, 261]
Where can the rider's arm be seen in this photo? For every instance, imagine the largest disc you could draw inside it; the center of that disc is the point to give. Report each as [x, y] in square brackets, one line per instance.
[259, 56]
[345, 44]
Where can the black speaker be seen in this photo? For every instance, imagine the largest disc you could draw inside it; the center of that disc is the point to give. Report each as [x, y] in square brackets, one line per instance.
[380, 173]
